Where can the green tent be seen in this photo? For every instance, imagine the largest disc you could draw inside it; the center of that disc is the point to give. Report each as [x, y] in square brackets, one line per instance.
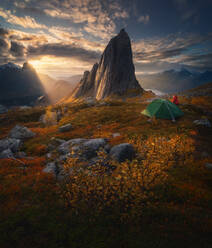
[163, 109]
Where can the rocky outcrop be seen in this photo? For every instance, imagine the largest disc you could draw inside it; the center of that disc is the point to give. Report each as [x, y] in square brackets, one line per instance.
[10, 146]
[10, 143]
[122, 152]
[21, 132]
[87, 153]
[114, 75]
[65, 128]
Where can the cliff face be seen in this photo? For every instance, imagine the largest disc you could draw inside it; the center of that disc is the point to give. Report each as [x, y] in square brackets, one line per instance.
[115, 73]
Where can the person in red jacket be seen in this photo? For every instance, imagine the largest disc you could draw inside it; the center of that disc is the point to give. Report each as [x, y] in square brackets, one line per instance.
[175, 100]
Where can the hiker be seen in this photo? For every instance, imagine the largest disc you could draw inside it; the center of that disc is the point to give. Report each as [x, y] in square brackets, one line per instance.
[175, 100]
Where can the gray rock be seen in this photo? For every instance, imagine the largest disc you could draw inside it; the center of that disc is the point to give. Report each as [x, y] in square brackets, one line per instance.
[203, 122]
[10, 143]
[64, 157]
[3, 109]
[21, 132]
[91, 147]
[6, 154]
[95, 144]
[51, 168]
[65, 128]
[122, 152]
[64, 148]
[48, 155]
[208, 165]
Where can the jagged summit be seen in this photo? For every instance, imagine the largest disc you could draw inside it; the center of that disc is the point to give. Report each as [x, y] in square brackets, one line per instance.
[113, 75]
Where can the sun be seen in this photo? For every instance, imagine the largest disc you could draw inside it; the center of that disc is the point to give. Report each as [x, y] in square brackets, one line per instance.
[37, 64]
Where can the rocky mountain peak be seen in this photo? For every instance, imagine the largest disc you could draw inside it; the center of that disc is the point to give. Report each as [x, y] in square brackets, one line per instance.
[113, 75]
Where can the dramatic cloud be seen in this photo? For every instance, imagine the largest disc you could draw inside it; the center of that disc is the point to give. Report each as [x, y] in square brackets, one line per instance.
[68, 36]
[63, 50]
[16, 49]
[172, 50]
[144, 19]
[25, 22]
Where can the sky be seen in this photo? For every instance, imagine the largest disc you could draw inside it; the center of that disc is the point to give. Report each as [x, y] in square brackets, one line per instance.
[63, 38]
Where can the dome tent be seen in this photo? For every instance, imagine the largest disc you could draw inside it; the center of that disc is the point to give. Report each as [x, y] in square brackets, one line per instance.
[163, 109]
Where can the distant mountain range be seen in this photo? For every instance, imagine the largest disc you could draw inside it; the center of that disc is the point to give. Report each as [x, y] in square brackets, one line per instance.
[174, 81]
[58, 89]
[24, 86]
[19, 85]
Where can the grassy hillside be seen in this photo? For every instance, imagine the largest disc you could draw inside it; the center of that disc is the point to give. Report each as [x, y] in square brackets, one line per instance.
[161, 199]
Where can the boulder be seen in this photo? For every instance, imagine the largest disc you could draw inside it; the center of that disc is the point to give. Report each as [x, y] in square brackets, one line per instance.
[21, 132]
[65, 128]
[10, 143]
[91, 147]
[51, 168]
[64, 148]
[203, 122]
[122, 152]
[6, 154]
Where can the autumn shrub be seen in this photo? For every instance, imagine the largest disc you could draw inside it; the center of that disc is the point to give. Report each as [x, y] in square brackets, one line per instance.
[124, 190]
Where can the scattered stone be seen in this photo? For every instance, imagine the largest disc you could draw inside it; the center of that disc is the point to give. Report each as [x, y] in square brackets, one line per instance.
[10, 143]
[116, 135]
[3, 109]
[208, 165]
[65, 128]
[51, 168]
[65, 147]
[48, 155]
[122, 152]
[6, 154]
[203, 122]
[21, 132]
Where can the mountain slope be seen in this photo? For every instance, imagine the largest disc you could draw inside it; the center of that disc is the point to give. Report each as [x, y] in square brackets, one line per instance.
[56, 89]
[19, 85]
[174, 81]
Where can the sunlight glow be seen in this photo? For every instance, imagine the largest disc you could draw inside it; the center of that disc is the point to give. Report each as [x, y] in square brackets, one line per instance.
[59, 66]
